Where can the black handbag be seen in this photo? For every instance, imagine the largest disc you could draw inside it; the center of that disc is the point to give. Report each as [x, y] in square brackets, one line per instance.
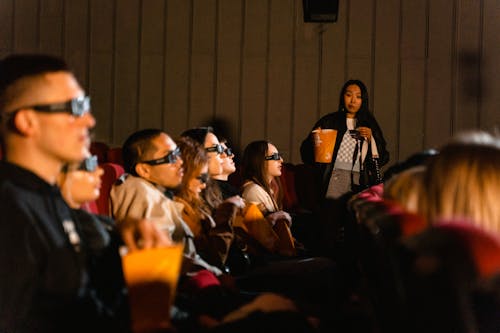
[370, 170]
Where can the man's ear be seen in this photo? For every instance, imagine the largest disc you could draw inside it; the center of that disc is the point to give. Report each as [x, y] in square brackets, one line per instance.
[142, 170]
[23, 122]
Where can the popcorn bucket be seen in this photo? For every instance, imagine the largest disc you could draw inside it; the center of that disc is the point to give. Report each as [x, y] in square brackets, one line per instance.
[151, 276]
[324, 143]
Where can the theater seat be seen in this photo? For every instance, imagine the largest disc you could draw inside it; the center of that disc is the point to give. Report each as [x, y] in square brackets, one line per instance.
[100, 149]
[114, 155]
[112, 172]
[450, 263]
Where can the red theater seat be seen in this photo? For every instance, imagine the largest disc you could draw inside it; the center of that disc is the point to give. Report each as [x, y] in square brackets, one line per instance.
[112, 172]
[100, 149]
[114, 155]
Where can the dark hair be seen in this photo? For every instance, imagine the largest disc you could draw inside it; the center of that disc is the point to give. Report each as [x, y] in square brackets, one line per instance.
[253, 167]
[364, 113]
[198, 134]
[17, 66]
[136, 146]
[194, 157]
[212, 193]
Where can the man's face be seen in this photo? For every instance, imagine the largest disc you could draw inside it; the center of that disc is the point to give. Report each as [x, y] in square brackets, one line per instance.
[60, 136]
[168, 175]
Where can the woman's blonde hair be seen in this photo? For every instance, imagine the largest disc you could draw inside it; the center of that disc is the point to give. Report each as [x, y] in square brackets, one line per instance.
[406, 188]
[463, 182]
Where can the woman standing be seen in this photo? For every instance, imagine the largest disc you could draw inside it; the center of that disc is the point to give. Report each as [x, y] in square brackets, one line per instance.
[359, 145]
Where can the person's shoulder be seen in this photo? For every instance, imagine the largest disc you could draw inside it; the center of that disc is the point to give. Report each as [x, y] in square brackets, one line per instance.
[251, 187]
[330, 118]
[129, 182]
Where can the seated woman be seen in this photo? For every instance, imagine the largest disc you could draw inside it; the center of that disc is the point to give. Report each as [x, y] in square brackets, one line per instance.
[207, 138]
[81, 184]
[261, 168]
[226, 188]
[212, 240]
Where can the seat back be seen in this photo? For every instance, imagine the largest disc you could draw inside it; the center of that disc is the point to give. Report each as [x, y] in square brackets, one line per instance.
[112, 172]
[100, 149]
[114, 155]
[450, 263]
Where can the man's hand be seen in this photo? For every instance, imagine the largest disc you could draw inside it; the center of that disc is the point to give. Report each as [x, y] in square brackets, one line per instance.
[142, 234]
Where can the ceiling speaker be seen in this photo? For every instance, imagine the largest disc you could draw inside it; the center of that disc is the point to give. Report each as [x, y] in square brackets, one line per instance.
[320, 10]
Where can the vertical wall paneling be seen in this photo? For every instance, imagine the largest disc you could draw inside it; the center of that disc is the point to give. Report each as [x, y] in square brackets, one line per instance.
[254, 83]
[490, 67]
[76, 38]
[151, 64]
[279, 101]
[126, 68]
[413, 43]
[26, 25]
[51, 26]
[177, 66]
[6, 28]
[256, 69]
[468, 83]
[202, 63]
[306, 79]
[100, 66]
[333, 58]
[385, 90]
[229, 27]
[439, 75]
[359, 53]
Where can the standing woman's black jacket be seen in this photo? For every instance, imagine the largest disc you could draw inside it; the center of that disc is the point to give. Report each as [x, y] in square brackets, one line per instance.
[337, 121]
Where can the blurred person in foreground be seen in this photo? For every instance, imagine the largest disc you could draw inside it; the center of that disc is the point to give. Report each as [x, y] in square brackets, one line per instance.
[51, 281]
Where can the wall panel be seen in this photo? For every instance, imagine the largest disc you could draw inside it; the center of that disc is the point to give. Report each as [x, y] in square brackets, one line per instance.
[280, 75]
[177, 66]
[468, 84]
[254, 85]
[386, 79]
[413, 57]
[51, 26]
[202, 86]
[439, 90]
[76, 38]
[228, 57]
[7, 27]
[26, 25]
[256, 69]
[359, 41]
[305, 103]
[100, 80]
[151, 64]
[333, 61]
[490, 67]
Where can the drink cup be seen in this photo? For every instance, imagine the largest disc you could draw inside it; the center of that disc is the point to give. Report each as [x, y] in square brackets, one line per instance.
[324, 143]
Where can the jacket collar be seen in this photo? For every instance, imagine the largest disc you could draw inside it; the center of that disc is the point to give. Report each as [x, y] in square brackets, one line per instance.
[25, 178]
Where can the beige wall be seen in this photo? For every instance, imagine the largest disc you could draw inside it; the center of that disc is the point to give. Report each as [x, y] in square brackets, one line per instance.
[431, 65]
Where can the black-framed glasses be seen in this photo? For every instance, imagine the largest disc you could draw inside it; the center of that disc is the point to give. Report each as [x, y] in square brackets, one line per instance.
[89, 164]
[77, 106]
[273, 157]
[170, 158]
[215, 149]
[203, 178]
[228, 152]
